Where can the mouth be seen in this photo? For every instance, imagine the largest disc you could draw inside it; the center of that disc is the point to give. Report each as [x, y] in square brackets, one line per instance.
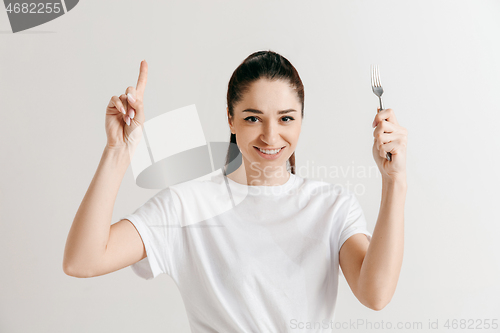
[270, 153]
[269, 148]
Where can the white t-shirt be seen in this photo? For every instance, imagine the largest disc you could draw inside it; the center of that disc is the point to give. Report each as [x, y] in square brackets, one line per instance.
[250, 258]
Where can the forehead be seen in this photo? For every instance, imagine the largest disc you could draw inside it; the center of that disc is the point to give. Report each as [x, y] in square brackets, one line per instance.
[269, 96]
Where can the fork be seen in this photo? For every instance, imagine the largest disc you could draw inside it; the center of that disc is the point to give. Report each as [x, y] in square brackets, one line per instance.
[378, 90]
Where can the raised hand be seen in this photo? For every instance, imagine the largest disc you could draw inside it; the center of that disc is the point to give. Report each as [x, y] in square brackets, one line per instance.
[125, 114]
[391, 137]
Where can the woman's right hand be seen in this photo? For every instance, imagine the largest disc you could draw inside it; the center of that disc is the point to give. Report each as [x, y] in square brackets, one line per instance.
[125, 114]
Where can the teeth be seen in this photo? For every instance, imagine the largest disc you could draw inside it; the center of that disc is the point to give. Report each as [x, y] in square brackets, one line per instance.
[270, 152]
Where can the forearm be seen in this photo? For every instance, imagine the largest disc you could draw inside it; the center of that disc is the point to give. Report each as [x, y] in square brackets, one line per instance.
[89, 233]
[383, 260]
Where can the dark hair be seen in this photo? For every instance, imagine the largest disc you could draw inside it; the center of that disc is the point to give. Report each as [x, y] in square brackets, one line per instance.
[261, 64]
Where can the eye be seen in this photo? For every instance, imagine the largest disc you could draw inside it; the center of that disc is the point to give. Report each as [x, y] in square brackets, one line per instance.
[247, 119]
[285, 121]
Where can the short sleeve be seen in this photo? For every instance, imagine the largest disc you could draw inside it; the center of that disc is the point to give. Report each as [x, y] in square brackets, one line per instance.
[156, 221]
[355, 222]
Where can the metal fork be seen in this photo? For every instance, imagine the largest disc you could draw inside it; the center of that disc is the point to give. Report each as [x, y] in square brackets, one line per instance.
[378, 90]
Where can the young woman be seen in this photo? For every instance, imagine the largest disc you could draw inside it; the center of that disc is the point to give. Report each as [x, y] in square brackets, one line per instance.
[257, 249]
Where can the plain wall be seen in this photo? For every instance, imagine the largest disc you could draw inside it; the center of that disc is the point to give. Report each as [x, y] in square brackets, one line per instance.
[439, 62]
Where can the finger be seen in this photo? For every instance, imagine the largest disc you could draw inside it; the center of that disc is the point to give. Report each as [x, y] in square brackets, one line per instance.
[117, 103]
[132, 100]
[384, 138]
[385, 114]
[131, 90]
[123, 99]
[391, 147]
[385, 127]
[142, 80]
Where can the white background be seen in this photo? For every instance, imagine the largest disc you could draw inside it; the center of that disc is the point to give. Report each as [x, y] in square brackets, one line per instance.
[440, 68]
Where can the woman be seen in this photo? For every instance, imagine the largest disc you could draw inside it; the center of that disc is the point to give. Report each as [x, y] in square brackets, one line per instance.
[257, 249]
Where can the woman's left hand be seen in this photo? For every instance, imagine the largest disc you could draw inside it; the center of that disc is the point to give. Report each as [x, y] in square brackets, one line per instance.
[389, 136]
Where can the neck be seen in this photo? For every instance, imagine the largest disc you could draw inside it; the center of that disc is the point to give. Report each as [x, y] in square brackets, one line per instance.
[250, 175]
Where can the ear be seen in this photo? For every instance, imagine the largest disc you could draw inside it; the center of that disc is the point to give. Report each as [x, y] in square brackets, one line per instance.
[229, 120]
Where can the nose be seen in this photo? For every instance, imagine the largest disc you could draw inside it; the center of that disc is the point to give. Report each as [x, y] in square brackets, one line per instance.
[270, 134]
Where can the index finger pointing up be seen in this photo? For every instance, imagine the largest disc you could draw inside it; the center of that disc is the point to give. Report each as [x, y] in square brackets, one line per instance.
[143, 78]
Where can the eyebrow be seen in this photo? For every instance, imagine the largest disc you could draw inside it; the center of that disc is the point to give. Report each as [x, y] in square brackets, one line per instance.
[260, 112]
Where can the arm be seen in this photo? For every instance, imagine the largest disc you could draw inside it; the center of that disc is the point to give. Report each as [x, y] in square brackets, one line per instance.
[372, 268]
[93, 245]
[89, 234]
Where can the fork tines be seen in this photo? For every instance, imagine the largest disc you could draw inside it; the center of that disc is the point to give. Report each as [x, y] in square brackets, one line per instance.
[375, 76]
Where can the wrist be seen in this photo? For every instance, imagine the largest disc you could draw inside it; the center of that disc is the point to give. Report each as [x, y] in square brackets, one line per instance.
[121, 154]
[398, 181]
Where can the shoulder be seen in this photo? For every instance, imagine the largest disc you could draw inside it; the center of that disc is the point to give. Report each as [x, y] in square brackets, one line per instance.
[201, 199]
[208, 183]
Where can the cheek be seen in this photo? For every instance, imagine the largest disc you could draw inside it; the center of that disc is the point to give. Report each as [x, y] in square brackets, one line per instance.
[295, 134]
[247, 134]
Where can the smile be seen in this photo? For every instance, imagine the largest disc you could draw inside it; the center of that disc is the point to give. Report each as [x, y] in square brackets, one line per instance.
[269, 154]
[271, 151]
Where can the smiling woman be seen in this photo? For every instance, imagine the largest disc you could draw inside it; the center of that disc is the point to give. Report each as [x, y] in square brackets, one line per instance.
[256, 250]
[265, 108]
[267, 139]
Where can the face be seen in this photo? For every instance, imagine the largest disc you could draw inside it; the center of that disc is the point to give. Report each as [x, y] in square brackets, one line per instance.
[268, 117]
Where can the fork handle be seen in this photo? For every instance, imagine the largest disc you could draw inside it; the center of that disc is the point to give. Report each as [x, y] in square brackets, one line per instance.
[388, 155]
